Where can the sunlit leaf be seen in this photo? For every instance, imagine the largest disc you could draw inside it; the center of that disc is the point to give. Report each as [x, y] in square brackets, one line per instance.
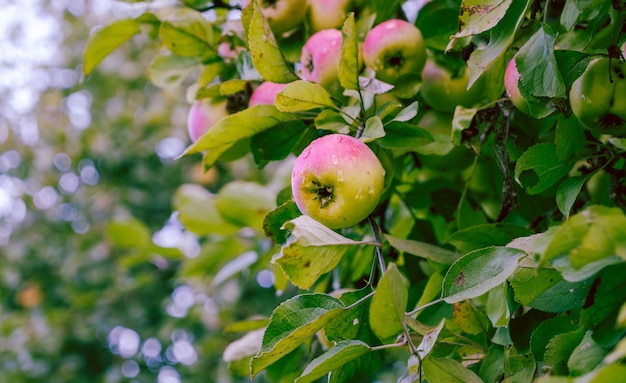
[479, 16]
[349, 63]
[171, 70]
[478, 272]
[438, 370]
[266, 55]
[186, 33]
[104, 41]
[388, 306]
[292, 323]
[301, 96]
[423, 249]
[340, 354]
[197, 211]
[312, 251]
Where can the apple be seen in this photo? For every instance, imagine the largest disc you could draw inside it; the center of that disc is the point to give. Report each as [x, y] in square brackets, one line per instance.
[327, 14]
[394, 48]
[598, 96]
[265, 93]
[443, 88]
[337, 180]
[511, 86]
[203, 114]
[281, 15]
[320, 57]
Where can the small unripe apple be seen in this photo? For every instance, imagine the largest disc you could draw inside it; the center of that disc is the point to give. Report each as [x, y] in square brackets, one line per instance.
[327, 14]
[394, 48]
[281, 15]
[598, 96]
[511, 85]
[337, 180]
[265, 93]
[443, 88]
[203, 114]
[320, 57]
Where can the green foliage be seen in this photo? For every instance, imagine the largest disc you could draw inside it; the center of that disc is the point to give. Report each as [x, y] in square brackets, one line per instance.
[503, 265]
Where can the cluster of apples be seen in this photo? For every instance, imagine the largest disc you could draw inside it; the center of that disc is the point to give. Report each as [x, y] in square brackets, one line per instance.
[338, 180]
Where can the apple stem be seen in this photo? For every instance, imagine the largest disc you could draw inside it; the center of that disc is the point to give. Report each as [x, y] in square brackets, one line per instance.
[378, 236]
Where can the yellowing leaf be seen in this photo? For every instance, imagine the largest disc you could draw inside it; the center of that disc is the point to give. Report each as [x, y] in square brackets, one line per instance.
[106, 40]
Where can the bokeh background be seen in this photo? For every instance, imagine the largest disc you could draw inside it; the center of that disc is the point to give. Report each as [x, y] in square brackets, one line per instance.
[99, 282]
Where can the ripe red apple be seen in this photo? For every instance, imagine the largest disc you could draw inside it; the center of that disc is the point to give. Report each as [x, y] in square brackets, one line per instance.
[444, 88]
[203, 114]
[327, 14]
[337, 180]
[394, 48]
[265, 93]
[511, 85]
[320, 57]
[281, 15]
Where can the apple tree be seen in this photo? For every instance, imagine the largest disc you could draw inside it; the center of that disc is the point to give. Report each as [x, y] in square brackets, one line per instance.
[475, 232]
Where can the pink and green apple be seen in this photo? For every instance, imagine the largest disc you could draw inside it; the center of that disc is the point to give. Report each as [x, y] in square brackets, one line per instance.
[203, 114]
[281, 15]
[320, 57]
[394, 48]
[444, 88]
[511, 86]
[265, 93]
[337, 180]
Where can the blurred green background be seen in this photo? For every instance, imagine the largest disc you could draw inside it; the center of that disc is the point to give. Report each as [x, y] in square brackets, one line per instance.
[99, 281]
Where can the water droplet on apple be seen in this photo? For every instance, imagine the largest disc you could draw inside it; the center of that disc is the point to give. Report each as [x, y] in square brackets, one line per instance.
[371, 188]
[359, 194]
[334, 160]
[339, 175]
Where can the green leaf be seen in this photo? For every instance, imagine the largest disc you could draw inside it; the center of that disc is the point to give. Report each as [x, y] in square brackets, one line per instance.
[613, 373]
[547, 330]
[518, 368]
[477, 17]
[484, 235]
[404, 135]
[266, 54]
[235, 128]
[373, 129]
[586, 356]
[448, 371]
[539, 168]
[570, 138]
[539, 73]
[104, 41]
[559, 349]
[437, 21]
[186, 33]
[301, 95]
[277, 143]
[312, 251]
[546, 290]
[349, 64]
[497, 307]
[292, 323]
[492, 366]
[607, 294]
[429, 341]
[500, 38]
[594, 233]
[330, 119]
[340, 354]
[477, 272]
[197, 211]
[567, 192]
[388, 306]
[423, 249]
[469, 319]
[274, 221]
[170, 70]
